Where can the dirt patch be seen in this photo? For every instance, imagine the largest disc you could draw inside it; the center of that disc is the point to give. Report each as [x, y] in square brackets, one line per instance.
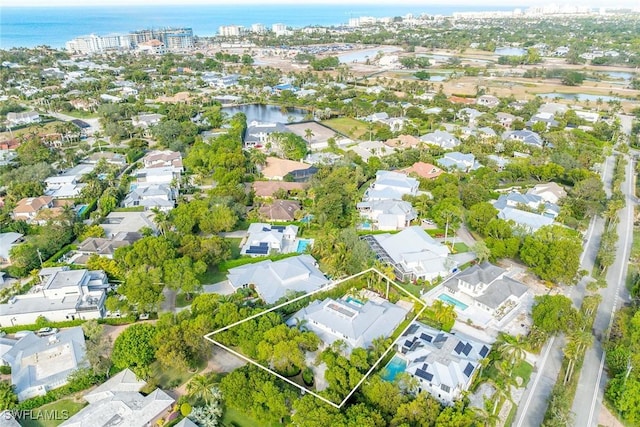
[607, 419]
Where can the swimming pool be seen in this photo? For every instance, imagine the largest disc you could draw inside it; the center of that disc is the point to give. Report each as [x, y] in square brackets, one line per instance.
[393, 368]
[81, 209]
[446, 298]
[352, 300]
[302, 245]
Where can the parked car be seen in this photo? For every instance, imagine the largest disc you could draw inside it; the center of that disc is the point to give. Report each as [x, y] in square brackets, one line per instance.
[44, 332]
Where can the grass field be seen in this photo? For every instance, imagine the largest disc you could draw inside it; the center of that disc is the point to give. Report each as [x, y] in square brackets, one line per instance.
[353, 128]
[53, 410]
[233, 417]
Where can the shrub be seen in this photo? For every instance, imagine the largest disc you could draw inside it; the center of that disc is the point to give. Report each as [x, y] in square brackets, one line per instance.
[185, 409]
[5, 369]
[307, 376]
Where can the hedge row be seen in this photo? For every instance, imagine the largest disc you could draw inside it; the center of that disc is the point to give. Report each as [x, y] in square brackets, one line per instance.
[113, 321]
[79, 383]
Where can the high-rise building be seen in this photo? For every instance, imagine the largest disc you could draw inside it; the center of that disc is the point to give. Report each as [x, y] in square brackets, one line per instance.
[279, 29]
[230, 30]
[170, 38]
[258, 28]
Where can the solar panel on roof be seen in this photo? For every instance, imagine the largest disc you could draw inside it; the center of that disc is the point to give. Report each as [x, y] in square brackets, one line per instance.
[468, 370]
[408, 344]
[467, 349]
[484, 350]
[263, 244]
[459, 347]
[412, 329]
[424, 375]
[426, 337]
[421, 359]
[266, 229]
[278, 227]
[440, 338]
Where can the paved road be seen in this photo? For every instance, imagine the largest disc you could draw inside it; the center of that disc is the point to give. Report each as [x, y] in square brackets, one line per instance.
[588, 398]
[535, 399]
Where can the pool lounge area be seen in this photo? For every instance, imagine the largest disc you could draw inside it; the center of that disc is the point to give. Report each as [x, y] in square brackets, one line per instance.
[450, 300]
[303, 244]
[395, 366]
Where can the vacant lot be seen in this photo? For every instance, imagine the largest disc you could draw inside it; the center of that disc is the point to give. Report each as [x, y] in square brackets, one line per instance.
[353, 128]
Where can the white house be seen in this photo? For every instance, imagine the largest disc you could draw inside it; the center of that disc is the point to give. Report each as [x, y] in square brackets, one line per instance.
[549, 192]
[118, 402]
[276, 279]
[528, 221]
[444, 364]
[414, 254]
[388, 215]
[160, 196]
[25, 118]
[62, 295]
[459, 161]
[264, 239]
[39, 364]
[67, 185]
[488, 101]
[7, 242]
[486, 287]
[391, 186]
[441, 139]
[529, 202]
[352, 321]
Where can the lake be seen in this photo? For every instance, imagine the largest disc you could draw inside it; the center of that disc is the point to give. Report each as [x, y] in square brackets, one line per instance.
[266, 113]
[362, 55]
[580, 96]
[620, 75]
[510, 51]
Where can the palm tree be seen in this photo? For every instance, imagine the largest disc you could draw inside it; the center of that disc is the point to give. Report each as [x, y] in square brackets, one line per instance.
[300, 324]
[201, 387]
[308, 134]
[161, 219]
[443, 313]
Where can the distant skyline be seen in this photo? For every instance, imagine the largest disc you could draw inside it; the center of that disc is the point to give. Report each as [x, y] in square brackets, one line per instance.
[462, 3]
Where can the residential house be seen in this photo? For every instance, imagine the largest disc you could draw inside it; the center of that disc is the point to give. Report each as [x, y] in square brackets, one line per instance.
[167, 175]
[110, 98]
[158, 196]
[413, 254]
[146, 122]
[485, 132]
[395, 123]
[553, 108]
[368, 149]
[527, 202]
[62, 295]
[441, 139]
[547, 118]
[387, 215]
[377, 117]
[27, 209]
[322, 158]
[24, 118]
[105, 247]
[7, 157]
[280, 210]
[8, 241]
[423, 170]
[459, 161]
[67, 185]
[588, 116]
[444, 364]
[39, 364]
[152, 47]
[270, 188]
[118, 401]
[505, 119]
[549, 192]
[274, 280]
[469, 115]
[461, 100]
[403, 142]
[277, 169]
[527, 137]
[528, 221]
[115, 159]
[163, 159]
[264, 239]
[355, 323]
[485, 287]
[488, 101]
[391, 186]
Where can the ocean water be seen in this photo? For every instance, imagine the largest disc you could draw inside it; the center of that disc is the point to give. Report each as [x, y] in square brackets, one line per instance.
[28, 27]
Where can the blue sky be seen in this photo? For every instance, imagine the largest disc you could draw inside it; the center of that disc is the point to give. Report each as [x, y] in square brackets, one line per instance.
[488, 3]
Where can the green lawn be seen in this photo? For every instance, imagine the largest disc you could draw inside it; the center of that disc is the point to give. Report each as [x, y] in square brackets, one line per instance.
[523, 370]
[181, 300]
[460, 247]
[212, 275]
[171, 378]
[233, 417]
[53, 410]
[353, 128]
[411, 288]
